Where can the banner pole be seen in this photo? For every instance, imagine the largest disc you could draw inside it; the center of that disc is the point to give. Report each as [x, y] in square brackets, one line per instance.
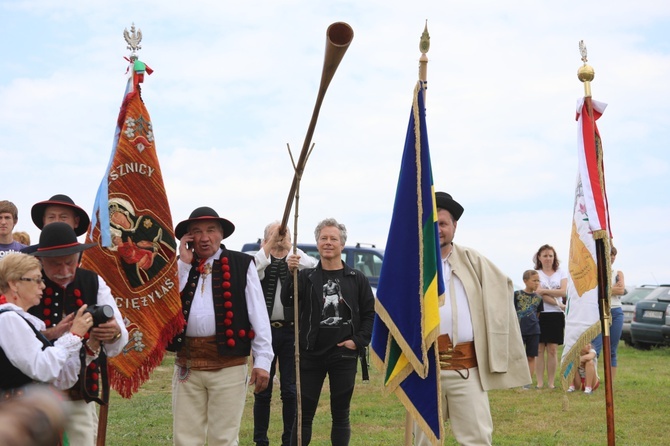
[424, 46]
[586, 74]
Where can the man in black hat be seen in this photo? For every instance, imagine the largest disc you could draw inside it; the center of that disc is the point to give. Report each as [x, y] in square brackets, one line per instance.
[226, 320]
[58, 208]
[68, 287]
[480, 344]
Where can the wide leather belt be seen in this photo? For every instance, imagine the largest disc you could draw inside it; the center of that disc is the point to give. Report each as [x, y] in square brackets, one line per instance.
[461, 357]
[281, 324]
[202, 354]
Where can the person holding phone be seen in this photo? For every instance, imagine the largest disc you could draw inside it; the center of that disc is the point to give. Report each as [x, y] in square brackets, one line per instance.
[226, 320]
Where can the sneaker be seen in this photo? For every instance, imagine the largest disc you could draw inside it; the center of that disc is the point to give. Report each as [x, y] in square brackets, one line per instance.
[588, 391]
[571, 389]
[526, 387]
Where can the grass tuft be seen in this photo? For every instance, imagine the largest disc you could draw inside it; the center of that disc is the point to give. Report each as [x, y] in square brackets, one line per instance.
[520, 417]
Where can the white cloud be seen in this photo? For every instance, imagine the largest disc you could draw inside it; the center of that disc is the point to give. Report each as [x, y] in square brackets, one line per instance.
[234, 83]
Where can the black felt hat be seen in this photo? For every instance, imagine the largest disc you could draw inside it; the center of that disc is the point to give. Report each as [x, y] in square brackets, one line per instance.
[59, 239]
[37, 212]
[202, 214]
[444, 201]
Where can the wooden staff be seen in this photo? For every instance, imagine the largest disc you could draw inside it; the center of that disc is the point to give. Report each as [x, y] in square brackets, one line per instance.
[338, 37]
[102, 425]
[586, 75]
[296, 345]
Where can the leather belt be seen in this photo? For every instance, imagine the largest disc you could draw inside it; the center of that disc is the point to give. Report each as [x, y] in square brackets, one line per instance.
[280, 324]
[461, 357]
[202, 354]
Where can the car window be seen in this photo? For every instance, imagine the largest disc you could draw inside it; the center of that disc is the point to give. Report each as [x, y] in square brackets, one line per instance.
[370, 263]
[635, 295]
[310, 251]
[662, 292]
[363, 262]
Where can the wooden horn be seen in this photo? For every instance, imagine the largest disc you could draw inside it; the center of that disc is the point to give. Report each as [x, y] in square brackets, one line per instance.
[338, 37]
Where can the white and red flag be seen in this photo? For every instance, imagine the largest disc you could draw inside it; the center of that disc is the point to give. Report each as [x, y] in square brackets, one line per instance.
[590, 226]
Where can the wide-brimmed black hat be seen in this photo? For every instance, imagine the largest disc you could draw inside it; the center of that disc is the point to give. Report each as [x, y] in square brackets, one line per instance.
[59, 239]
[444, 201]
[201, 214]
[37, 212]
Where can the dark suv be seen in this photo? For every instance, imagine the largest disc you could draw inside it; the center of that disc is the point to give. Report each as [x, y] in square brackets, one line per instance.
[651, 322]
[367, 259]
[628, 306]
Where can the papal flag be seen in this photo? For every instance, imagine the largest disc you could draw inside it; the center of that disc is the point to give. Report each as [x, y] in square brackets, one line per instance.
[590, 227]
[407, 320]
[136, 249]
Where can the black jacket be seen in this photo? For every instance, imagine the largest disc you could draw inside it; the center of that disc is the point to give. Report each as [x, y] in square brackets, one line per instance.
[356, 292]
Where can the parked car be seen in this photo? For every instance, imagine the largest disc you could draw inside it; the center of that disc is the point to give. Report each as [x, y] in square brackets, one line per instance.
[628, 305]
[367, 259]
[651, 322]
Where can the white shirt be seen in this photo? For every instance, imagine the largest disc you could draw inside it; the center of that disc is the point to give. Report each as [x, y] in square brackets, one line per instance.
[465, 331]
[58, 365]
[263, 261]
[552, 282]
[202, 320]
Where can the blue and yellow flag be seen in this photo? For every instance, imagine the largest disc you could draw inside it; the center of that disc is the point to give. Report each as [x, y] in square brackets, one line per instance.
[407, 321]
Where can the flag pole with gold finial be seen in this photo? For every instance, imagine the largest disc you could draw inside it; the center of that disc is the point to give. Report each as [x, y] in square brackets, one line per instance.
[424, 46]
[586, 74]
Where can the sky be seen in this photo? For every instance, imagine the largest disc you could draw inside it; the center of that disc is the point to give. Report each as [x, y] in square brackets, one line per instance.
[235, 82]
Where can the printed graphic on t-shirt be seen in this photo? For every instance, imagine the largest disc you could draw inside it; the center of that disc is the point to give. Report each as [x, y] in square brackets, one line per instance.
[10, 248]
[332, 302]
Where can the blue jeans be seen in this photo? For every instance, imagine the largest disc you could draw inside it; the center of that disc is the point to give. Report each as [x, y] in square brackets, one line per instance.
[615, 335]
[340, 364]
[283, 341]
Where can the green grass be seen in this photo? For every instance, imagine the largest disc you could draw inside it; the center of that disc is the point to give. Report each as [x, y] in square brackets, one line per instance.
[520, 417]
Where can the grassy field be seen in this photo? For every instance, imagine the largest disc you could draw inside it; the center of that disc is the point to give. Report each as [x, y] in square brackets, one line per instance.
[520, 417]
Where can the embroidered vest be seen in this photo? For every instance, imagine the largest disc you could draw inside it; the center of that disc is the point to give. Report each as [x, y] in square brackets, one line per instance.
[10, 376]
[275, 274]
[229, 281]
[57, 302]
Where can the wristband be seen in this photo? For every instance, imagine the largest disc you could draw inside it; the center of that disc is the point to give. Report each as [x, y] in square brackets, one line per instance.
[90, 351]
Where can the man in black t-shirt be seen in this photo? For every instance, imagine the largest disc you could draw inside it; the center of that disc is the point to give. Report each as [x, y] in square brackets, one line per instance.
[336, 316]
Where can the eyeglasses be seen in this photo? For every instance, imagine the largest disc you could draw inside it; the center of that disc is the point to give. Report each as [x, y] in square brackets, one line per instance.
[37, 280]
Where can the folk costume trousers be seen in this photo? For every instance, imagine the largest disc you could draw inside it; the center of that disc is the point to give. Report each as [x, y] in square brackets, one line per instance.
[207, 406]
[466, 404]
[82, 425]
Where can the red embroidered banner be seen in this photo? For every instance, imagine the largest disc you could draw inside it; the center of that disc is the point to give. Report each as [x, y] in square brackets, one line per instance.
[136, 252]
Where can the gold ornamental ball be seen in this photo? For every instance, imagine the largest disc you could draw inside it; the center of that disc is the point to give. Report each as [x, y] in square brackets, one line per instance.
[586, 73]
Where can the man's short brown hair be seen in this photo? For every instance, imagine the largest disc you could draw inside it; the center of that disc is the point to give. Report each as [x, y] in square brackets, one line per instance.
[9, 208]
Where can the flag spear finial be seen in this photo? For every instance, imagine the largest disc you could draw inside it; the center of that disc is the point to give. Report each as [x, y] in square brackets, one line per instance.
[585, 72]
[424, 46]
[133, 39]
